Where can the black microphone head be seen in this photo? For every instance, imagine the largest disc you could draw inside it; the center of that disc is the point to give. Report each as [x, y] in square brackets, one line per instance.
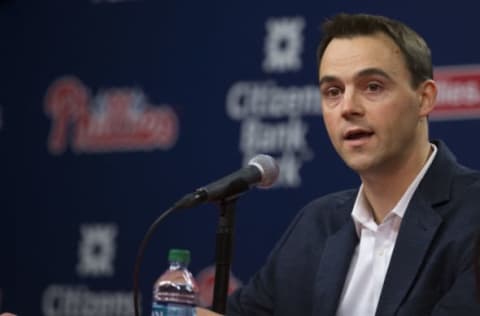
[268, 168]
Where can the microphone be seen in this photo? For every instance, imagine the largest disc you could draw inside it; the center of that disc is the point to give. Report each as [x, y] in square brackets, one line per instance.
[262, 171]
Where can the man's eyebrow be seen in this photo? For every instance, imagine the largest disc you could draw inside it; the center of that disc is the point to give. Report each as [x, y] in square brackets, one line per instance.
[325, 79]
[371, 72]
[363, 73]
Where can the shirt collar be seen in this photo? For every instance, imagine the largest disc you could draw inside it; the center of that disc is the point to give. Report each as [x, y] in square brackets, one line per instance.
[362, 214]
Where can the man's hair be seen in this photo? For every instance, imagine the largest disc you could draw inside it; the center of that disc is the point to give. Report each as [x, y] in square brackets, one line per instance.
[414, 48]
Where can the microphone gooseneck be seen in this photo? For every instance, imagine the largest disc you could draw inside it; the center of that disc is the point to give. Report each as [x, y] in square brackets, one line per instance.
[262, 170]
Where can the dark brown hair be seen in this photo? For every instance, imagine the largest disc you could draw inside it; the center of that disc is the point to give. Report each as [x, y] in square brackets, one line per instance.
[414, 48]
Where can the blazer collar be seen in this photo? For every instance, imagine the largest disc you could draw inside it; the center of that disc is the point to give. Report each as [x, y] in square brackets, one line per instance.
[417, 231]
[435, 187]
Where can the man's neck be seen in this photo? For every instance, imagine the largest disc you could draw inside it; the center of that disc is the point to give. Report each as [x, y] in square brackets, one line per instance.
[383, 189]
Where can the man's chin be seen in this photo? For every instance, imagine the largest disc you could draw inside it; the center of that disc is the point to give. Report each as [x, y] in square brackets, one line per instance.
[359, 165]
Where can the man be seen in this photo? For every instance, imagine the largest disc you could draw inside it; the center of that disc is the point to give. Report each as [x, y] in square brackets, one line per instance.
[402, 243]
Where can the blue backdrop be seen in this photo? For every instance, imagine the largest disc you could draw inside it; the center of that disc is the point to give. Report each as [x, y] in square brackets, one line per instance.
[111, 110]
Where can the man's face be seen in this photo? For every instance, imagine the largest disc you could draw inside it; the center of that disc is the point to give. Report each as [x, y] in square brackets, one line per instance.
[370, 109]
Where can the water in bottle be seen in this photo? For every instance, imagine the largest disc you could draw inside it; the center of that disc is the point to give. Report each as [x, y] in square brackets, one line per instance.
[175, 291]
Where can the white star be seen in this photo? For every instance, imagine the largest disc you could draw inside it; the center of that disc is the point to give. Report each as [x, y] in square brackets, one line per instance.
[96, 250]
[283, 44]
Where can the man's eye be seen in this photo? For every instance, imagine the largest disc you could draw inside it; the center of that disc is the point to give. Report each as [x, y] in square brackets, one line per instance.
[332, 92]
[374, 87]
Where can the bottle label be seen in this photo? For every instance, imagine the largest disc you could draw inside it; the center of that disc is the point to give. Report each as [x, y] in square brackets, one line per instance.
[171, 309]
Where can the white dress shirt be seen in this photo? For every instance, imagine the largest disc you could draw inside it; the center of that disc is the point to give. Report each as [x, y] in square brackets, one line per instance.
[364, 281]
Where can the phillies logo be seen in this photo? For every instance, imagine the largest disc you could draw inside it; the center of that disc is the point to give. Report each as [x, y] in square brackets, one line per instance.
[113, 120]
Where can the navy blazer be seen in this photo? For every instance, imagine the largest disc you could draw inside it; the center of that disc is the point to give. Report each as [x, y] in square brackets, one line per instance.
[430, 272]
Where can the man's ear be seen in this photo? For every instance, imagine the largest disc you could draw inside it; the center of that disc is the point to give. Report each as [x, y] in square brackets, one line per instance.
[427, 92]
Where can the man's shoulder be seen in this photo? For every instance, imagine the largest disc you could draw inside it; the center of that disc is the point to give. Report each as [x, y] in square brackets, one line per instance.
[319, 219]
[332, 210]
[465, 183]
[333, 201]
[466, 176]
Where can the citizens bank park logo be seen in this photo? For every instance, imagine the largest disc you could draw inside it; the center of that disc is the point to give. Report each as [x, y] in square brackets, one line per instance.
[458, 92]
[271, 115]
[96, 248]
[116, 119]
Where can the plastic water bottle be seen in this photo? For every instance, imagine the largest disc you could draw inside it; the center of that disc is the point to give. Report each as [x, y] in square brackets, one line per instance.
[175, 291]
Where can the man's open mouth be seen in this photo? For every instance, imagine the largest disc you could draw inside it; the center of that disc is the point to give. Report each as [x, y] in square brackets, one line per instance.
[357, 134]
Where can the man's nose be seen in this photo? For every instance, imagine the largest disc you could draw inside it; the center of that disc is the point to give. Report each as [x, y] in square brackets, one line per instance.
[352, 104]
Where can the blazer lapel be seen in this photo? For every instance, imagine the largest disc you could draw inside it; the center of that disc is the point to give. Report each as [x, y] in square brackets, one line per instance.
[414, 238]
[418, 228]
[333, 269]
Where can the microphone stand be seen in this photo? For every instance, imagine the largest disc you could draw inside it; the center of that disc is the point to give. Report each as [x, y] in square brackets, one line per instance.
[223, 255]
